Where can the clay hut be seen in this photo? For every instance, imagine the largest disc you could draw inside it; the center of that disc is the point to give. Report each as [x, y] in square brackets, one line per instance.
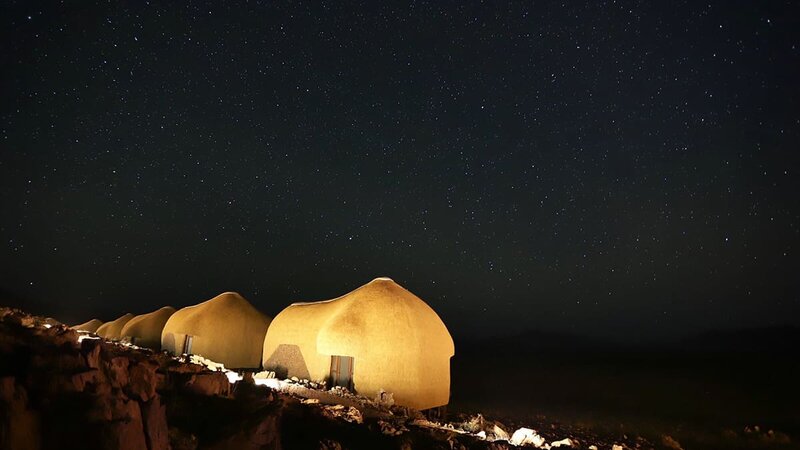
[226, 329]
[90, 326]
[112, 330]
[380, 337]
[145, 330]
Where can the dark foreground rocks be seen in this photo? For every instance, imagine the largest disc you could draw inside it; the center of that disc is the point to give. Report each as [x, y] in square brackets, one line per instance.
[60, 390]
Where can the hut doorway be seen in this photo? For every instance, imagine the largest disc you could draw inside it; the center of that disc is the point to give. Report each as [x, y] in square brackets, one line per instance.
[342, 371]
[187, 344]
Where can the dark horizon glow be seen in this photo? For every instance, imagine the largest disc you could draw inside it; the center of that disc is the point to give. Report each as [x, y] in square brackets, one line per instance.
[622, 170]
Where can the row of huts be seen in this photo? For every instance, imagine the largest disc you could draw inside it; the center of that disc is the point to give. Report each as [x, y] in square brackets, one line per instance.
[379, 337]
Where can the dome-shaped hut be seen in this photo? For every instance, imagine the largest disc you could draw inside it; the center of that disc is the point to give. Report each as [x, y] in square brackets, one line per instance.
[112, 330]
[226, 329]
[90, 326]
[378, 337]
[145, 330]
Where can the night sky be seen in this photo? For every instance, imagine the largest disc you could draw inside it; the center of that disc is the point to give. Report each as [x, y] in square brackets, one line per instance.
[618, 169]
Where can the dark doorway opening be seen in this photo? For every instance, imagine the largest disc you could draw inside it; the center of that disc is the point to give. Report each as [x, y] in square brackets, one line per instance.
[342, 371]
[187, 344]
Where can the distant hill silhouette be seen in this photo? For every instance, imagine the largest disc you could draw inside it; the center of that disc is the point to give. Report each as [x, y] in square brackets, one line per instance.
[535, 341]
[776, 339]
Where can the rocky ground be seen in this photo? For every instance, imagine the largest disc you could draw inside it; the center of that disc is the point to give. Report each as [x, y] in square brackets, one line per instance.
[63, 389]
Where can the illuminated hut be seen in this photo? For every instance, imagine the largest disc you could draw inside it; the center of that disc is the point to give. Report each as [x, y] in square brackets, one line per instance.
[378, 337]
[226, 329]
[112, 330]
[90, 326]
[145, 330]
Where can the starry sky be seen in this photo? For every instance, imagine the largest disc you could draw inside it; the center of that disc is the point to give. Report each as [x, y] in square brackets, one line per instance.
[615, 169]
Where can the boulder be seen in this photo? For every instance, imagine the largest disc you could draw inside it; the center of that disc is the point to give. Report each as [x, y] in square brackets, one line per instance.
[208, 383]
[264, 434]
[126, 430]
[90, 349]
[142, 381]
[20, 426]
[118, 371]
[156, 431]
[79, 381]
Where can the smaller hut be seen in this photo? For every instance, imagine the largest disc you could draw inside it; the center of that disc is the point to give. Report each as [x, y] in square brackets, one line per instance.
[226, 329]
[112, 330]
[145, 330]
[90, 326]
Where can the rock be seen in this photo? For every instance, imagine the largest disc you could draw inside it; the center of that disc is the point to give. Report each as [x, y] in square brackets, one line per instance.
[161, 381]
[348, 413]
[142, 381]
[181, 440]
[390, 429]
[156, 431]
[209, 383]
[474, 424]
[264, 434]
[126, 431]
[248, 378]
[566, 442]
[264, 375]
[7, 389]
[498, 446]
[20, 426]
[525, 436]
[252, 396]
[57, 362]
[500, 433]
[101, 408]
[384, 398]
[63, 337]
[118, 370]
[80, 380]
[177, 367]
[328, 444]
[90, 349]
